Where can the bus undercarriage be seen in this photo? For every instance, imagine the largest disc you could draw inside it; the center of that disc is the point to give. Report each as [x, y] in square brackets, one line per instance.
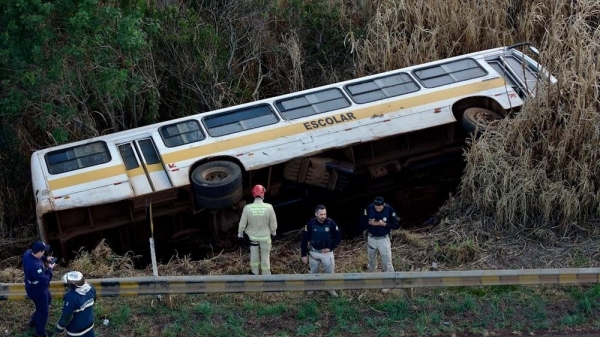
[414, 171]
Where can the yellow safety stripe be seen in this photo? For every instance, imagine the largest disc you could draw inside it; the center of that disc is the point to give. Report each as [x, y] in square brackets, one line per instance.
[84, 177]
[234, 141]
[135, 286]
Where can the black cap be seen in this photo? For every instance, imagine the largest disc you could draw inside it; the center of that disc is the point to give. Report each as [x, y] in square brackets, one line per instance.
[40, 246]
[379, 201]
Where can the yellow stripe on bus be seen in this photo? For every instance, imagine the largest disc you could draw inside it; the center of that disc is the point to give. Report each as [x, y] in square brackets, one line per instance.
[138, 171]
[364, 113]
[233, 142]
[85, 177]
[155, 168]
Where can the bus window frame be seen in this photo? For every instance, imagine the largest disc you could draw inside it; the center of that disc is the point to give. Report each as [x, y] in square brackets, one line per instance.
[446, 73]
[76, 157]
[239, 123]
[381, 89]
[181, 135]
[284, 113]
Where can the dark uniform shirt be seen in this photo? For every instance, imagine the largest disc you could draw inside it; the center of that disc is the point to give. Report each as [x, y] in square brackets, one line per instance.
[37, 275]
[387, 215]
[320, 235]
[78, 313]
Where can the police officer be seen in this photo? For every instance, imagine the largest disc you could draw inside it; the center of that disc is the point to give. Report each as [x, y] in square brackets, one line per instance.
[260, 223]
[38, 273]
[320, 236]
[77, 317]
[378, 220]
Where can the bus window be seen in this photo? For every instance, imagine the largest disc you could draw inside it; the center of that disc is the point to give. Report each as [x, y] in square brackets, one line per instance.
[448, 73]
[128, 155]
[499, 67]
[149, 152]
[381, 88]
[521, 69]
[312, 104]
[77, 157]
[239, 120]
[181, 133]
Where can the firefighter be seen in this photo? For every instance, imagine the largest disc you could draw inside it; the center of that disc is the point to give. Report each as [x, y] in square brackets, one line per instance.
[77, 317]
[259, 222]
[320, 236]
[379, 219]
[38, 272]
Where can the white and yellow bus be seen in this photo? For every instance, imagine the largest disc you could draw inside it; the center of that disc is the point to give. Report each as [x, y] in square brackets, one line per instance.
[323, 137]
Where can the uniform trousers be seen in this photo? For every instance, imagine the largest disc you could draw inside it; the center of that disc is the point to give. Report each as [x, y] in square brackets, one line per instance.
[382, 245]
[260, 255]
[41, 298]
[316, 259]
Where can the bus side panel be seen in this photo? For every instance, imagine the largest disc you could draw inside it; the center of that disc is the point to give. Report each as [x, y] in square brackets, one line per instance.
[102, 191]
[87, 186]
[339, 136]
[176, 173]
[41, 195]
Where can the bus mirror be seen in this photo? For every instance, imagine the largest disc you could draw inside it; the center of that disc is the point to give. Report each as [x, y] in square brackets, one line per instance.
[534, 50]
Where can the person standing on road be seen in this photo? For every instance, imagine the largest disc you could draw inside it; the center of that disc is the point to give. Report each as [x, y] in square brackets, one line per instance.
[77, 317]
[379, 219]
[37, 268]
[320, 236]
[259, 222]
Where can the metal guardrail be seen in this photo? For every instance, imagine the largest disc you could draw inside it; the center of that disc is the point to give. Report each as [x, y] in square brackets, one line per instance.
[156, 285]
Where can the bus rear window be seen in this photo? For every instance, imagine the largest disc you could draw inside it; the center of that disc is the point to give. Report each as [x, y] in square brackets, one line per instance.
[381, 88]
[448, 73]
[77, 157]
[181, 133]
[312, 104]
[239, 120]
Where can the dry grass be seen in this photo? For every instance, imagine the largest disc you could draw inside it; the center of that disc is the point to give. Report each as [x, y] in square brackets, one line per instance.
[450, 248]
[541, 172]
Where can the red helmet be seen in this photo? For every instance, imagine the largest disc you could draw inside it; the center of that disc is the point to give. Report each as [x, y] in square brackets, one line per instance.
[258, 191]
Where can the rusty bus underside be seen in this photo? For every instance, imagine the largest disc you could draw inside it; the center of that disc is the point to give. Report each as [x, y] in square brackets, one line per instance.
[415, 172]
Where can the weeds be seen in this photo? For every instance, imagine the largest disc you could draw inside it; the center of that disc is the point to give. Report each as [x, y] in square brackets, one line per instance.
[432, 313]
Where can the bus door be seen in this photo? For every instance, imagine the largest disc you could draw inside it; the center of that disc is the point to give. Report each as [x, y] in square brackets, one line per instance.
[144, 166]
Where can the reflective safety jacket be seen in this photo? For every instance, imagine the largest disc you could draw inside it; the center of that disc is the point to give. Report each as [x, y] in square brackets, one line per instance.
[387, 214]
[258, 220]
[320, 235]
[37, 275]
[78, 313]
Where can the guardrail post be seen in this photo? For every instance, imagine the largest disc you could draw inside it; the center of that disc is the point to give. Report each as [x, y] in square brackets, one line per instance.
[167, 297]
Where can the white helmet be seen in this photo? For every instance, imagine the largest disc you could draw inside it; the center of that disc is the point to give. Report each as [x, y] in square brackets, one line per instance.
[74, 278]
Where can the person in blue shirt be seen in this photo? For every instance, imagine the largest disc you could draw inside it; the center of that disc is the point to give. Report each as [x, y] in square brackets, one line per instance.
[77, 317]
[320, 236]
[38, 274]
[379, 219]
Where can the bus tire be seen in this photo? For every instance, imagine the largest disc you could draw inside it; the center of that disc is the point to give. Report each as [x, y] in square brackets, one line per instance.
[220, 202]
[480, 119]
[216, 179]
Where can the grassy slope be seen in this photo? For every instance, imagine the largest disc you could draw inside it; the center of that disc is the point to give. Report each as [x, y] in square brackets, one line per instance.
[481, 311]
[403, 312]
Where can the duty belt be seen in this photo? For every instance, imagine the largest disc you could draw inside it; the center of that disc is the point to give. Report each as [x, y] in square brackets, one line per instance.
[378, 237]
[317, 250]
